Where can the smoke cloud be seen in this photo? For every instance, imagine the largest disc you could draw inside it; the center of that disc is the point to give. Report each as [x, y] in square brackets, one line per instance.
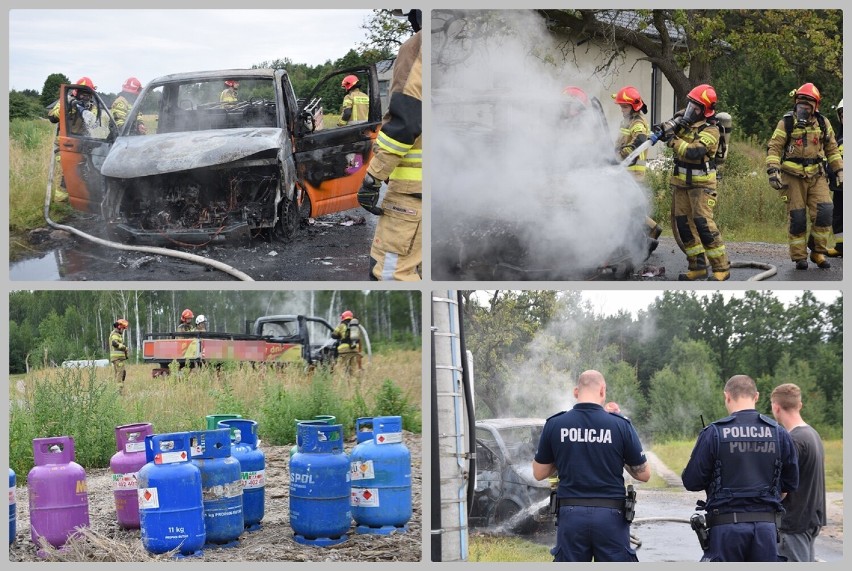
[521, 189]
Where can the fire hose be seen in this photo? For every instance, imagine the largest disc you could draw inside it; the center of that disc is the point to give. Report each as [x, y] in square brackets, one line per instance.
[634, 539]
[147, 249]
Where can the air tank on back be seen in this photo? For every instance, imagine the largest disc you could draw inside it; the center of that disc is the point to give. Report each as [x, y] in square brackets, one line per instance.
[253, 466]
[58, 494]
[381, 479]
[125, 465]
[171, 509]
[319, 486]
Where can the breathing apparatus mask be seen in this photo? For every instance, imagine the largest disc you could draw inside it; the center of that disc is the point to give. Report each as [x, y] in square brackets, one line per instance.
[693, 113]
[804, 112]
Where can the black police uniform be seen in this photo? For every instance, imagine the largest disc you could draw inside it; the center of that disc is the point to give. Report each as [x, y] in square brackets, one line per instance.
[744, 462]
[590, 447]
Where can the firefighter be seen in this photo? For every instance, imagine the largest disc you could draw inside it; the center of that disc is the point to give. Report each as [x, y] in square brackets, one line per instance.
[745, 463]
[118, 351]
[356, 104]
[125, 100]
[694, 138]
[349, 345]
[589, 448]
[75, 125]
[396, 253]
[802, 140]
[187, 322]
[837, 194]
[634, 131]
[201, 323]
[229, 94]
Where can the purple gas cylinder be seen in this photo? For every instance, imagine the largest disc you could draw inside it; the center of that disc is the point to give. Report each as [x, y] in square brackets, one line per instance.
[58, 498]
[124, 464]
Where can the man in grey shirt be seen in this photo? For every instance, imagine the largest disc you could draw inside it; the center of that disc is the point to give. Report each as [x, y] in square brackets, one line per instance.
[805, 508]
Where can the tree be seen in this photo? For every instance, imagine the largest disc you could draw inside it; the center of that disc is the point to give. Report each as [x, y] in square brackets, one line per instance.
[685, 44]
[50, 91]
[22, 106]
[385, 33]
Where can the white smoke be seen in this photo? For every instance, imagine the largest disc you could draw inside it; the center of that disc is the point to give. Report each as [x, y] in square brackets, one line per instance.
[511, 172]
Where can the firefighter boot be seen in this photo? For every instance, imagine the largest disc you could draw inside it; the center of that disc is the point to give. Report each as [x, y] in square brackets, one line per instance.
[819, 260]
[719, 276]
[837, 251]
[697, 269]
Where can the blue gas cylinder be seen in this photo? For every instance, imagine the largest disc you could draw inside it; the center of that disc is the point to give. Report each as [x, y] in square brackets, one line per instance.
[319, 486]
[13, 507]
[221, 486]
[171, 508]
[381, 480]
[253, 467]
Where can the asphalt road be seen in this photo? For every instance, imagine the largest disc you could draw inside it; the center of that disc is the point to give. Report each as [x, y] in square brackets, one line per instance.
[335, 247]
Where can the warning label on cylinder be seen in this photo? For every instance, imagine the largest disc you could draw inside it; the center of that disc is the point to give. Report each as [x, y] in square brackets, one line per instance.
[170, 457]
[255, 479]
[11, 496]
[222, 491]
[389, 438]
[364, 498]
[134, 447]
[148, 498]
[361, 470]
[122, 482]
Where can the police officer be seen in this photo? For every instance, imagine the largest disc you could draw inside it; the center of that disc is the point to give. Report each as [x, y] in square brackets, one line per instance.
[589, 448]
[746, 463]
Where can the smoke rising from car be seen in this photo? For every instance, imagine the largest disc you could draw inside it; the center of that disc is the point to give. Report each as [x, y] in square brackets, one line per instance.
[518, 181]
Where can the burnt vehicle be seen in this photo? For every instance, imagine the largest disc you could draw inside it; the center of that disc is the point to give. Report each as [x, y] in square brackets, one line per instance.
[505, 487]
[208, 170]
[524, 191]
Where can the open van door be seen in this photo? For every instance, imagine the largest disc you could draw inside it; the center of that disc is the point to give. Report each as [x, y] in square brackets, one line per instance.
[85, 137]
[331, 161]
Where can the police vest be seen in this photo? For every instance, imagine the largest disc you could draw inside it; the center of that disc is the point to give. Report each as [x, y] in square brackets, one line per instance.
[749, 458]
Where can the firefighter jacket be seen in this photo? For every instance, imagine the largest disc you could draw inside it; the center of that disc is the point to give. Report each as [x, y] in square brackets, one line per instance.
[356, 107]
[120, 109]
[228, 95]
[633, 131]
[398, 151]
[341, 332]
[76, 125]
[186, 326]
[117, 348]
[694, 152]
[802, 153]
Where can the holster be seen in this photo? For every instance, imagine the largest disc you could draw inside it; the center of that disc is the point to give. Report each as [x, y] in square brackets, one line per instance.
[699, 526]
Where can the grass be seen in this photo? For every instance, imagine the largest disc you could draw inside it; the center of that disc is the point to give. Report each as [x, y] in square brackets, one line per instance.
[506, 549]
[85, 403]
[676, 454]
[30, 154]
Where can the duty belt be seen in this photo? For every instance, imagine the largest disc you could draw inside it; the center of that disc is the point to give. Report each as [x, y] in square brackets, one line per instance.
[592, 502]
[741, 517]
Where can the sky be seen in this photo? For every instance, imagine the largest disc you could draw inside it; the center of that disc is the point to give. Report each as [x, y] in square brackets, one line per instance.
[610, 302]
[146, 44]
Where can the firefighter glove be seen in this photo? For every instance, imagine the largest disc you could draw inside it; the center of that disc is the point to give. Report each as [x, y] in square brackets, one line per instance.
[775, 178]
[838, 176]
[368, 195]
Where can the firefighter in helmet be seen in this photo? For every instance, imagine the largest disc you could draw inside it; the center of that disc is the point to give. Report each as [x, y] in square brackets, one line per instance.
[694, 138]
[187, 321]
[201, 323]
[118, 351]
[229, 94]
[837, 194]
[634, 131]
[397, 252]
[121, 106]
[356, 104]
[801, 142]
[349, 341]
[75, 125]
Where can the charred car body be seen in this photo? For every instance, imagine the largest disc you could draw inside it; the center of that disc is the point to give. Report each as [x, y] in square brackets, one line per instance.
[505, 487]
[211, 170]
[524, 192]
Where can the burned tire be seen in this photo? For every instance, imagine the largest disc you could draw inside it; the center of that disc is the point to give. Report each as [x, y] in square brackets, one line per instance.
[288, 221]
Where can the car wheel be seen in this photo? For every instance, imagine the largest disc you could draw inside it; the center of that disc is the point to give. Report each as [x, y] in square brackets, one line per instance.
[288, 221]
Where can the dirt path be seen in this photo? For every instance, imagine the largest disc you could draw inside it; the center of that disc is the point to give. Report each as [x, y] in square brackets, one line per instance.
[105, 541]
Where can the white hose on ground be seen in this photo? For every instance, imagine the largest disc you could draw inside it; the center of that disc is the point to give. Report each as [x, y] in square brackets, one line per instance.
[770, 269]
[147, 249]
